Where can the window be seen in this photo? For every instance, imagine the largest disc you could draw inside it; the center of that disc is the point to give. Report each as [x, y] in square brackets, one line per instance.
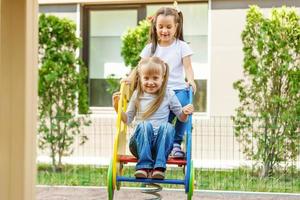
[106, 28]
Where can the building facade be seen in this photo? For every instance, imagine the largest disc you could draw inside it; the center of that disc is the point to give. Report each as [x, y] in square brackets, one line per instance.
[212, 28]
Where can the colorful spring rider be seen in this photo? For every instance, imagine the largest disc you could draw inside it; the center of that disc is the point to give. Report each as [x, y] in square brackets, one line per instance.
[119, 157]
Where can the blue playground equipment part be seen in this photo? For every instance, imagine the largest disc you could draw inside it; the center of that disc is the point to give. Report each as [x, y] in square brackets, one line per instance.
[119, 157]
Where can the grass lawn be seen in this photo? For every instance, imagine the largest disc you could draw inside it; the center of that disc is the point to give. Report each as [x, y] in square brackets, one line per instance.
[237, 179]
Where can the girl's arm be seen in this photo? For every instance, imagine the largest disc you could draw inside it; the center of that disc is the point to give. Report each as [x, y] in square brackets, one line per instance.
[186, 111]
[189, 73]
[116, 97]
[175, 106]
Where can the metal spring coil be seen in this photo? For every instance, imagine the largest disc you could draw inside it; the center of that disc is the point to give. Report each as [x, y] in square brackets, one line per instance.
[152, 189]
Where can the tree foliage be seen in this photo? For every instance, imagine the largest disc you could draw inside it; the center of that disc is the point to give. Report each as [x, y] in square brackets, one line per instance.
[133, 42]
[267, 121]
[58, 86]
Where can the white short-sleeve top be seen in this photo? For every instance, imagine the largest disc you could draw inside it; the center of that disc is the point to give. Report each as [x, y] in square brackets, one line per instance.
[172, 55]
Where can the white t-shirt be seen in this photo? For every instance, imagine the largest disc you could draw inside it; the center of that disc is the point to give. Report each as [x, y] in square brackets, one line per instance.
[161, 115]
[172, 55]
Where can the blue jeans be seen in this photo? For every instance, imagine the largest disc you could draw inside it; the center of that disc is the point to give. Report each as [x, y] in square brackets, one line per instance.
[180, 127]
[151, 150]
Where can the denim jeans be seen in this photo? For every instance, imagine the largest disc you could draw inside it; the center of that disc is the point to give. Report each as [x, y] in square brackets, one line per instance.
[180, 127]
[151, 150]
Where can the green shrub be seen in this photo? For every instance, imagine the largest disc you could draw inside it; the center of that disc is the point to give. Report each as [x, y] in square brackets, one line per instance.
[134, 40]
[269, 92]
[58, 86]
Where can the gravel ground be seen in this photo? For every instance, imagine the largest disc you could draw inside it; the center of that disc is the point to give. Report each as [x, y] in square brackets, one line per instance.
[100, 193]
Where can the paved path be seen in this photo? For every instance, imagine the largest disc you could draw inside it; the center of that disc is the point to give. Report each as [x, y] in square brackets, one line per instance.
[99, 193]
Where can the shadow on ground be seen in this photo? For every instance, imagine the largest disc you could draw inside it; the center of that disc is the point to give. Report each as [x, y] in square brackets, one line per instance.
[100, 193]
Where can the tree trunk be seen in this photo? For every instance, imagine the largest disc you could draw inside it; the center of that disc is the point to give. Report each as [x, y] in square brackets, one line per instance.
[59, 166]
[53, 159]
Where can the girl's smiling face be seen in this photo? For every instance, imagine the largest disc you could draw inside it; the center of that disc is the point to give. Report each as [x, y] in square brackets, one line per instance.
[151, 81]
[166, 29]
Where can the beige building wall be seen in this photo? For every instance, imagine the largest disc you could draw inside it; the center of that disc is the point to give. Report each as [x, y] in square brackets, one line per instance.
[18, 100]
[227, 22]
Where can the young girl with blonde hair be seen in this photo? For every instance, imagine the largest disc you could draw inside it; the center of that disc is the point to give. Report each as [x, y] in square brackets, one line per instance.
[150, 105]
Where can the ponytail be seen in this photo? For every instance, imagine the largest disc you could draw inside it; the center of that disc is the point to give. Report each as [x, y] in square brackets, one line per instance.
[180, 27]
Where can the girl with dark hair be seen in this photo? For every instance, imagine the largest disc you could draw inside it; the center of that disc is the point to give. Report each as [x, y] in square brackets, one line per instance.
[166, 42]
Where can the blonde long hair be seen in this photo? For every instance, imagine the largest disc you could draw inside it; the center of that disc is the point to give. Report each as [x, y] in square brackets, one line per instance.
[150, 65]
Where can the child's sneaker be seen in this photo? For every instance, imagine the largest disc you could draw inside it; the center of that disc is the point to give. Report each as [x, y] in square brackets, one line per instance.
[177, 152]
[158, 174]
[141, 173]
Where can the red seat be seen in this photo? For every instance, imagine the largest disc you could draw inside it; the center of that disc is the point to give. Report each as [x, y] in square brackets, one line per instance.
[127, 159]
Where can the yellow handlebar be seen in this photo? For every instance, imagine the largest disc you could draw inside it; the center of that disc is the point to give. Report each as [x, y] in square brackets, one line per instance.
[120, 137]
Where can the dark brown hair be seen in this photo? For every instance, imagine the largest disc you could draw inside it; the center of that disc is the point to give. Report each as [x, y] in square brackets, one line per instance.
[166, 11]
